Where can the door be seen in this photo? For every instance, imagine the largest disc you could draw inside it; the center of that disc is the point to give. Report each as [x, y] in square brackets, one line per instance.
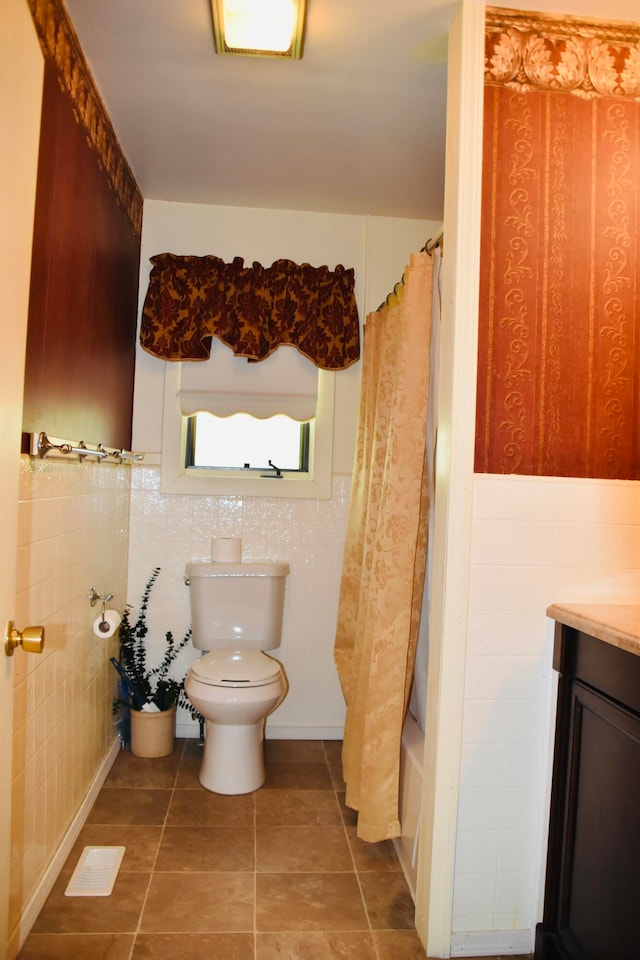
[21, 69]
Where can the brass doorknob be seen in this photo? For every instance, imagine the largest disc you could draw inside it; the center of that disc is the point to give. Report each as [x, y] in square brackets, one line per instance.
[31, 639]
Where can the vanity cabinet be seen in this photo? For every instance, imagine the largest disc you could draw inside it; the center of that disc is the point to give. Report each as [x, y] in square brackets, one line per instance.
[592, 891]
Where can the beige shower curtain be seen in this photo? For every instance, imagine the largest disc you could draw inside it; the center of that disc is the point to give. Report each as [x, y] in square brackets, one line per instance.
[385, 550]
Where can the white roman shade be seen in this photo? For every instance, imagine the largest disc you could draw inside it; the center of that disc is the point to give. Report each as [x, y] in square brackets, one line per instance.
[286, 383]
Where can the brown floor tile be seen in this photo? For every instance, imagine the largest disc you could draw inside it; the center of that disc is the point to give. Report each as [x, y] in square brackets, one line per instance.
[205, 849]
[141, 844]
[335, 772]
[297, 776]
[349, 816]
[297, 808]
[206, 809]
[119, 912]
[130, 771]
[193, 946]
[188, 880]
[192, 747]
[304, 849]
[388, 901]
[189, 769]
[74, 946]
[379, 856]
[308, 901]
[130, 805]
[189, 772]
[199, 903]
[315, 946]
[293, 751]
[333, 750]
[399, 945]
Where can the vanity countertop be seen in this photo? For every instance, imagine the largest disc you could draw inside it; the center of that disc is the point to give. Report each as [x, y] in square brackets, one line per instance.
[616, 624]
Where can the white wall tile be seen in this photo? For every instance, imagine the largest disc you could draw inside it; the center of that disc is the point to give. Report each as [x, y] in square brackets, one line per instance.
[487, 678]
[528, 678]
[523, 764]
[494, 542]
[482, 764]
[517, 852]
[536, 542]
[520, 807]
[169, 531]
[525, 720]
[514, 897]
[479, 808]
[579, 545]
[477, 851]
[495, 497]
[74, 535]
[493, 587]
[484, 721]
[474, 894]
[575, 541]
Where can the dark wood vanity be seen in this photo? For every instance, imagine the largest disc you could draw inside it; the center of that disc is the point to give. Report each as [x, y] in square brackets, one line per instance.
[592, 891]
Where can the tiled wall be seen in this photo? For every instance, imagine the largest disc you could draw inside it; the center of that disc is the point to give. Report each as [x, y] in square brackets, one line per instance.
[73, 534]
[169, 530]
[535, 541]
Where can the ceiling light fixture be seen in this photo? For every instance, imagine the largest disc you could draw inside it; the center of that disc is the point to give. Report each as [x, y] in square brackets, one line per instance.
[259, 28]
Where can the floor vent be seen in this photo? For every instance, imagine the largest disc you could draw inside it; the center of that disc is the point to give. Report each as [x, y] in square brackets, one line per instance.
[96, 872]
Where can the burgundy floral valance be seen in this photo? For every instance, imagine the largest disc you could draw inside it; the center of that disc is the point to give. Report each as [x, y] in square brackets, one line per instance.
[252, 309]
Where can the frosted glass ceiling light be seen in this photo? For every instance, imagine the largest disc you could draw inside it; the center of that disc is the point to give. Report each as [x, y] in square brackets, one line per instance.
[259, 28]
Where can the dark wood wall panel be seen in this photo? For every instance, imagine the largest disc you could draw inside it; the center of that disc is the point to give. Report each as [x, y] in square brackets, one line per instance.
[84, 287]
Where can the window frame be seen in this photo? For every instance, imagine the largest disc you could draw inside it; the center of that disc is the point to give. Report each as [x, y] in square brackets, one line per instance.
[176, 477]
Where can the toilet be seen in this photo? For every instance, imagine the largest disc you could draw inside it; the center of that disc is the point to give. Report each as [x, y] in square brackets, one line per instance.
[236, 614]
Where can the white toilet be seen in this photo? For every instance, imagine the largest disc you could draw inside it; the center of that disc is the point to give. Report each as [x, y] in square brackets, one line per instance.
[236, 613]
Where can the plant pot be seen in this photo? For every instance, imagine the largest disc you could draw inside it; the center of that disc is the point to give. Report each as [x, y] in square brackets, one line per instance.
[153, 734]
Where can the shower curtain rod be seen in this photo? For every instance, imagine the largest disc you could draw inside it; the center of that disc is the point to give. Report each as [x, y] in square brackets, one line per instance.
[432, 244]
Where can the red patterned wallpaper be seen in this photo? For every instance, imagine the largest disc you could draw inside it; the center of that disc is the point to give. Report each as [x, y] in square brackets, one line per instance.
[559, 338]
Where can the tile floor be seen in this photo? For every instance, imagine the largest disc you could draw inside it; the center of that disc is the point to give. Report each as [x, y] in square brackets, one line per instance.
[278, 874]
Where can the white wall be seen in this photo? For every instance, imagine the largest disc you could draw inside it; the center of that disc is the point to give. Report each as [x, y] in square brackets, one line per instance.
[169, 530]
[536, 540]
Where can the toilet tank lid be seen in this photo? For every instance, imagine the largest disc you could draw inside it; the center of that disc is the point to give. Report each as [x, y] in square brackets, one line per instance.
[211, 568]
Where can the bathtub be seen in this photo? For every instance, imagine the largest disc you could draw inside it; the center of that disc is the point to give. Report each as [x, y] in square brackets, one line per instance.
[410, 800]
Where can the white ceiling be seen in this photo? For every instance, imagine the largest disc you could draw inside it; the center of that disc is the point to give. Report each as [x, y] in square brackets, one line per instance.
[357, 126]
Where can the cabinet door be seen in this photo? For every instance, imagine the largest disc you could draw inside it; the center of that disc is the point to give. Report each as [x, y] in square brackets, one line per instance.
[599, 890]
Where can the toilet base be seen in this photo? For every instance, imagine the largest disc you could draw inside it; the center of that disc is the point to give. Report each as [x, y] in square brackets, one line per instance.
[233, 760]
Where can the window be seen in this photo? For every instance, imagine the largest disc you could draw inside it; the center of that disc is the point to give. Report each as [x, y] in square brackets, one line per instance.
[243, 442]
[316, 435]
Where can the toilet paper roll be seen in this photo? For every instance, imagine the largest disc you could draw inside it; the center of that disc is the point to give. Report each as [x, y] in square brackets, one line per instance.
[226, 549]
[106, 624]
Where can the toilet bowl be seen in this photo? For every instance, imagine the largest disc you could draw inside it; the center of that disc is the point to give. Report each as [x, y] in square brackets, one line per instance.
[235, 691]
[236, 614]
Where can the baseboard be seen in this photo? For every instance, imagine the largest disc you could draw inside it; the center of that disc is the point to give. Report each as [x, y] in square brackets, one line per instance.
[491, 943]
[408, 868]
[49, 877]
[304, 733]
[192, 730]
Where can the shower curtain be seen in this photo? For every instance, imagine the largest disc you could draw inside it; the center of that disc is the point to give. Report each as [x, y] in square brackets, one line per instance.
[418, 699]
[385, 550]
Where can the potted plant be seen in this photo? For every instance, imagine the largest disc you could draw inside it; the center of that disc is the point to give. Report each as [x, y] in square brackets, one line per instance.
[148, 696]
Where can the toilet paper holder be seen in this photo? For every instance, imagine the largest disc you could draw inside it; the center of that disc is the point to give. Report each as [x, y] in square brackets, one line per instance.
[94, 596]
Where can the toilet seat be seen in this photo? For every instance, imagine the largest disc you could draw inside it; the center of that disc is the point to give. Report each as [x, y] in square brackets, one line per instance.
[235, 668]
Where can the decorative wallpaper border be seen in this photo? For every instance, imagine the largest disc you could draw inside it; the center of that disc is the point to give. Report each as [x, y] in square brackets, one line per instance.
[565, 54]
[60, 43]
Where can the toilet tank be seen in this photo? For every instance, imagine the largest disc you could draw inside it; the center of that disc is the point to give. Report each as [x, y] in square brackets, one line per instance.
[236, 605]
